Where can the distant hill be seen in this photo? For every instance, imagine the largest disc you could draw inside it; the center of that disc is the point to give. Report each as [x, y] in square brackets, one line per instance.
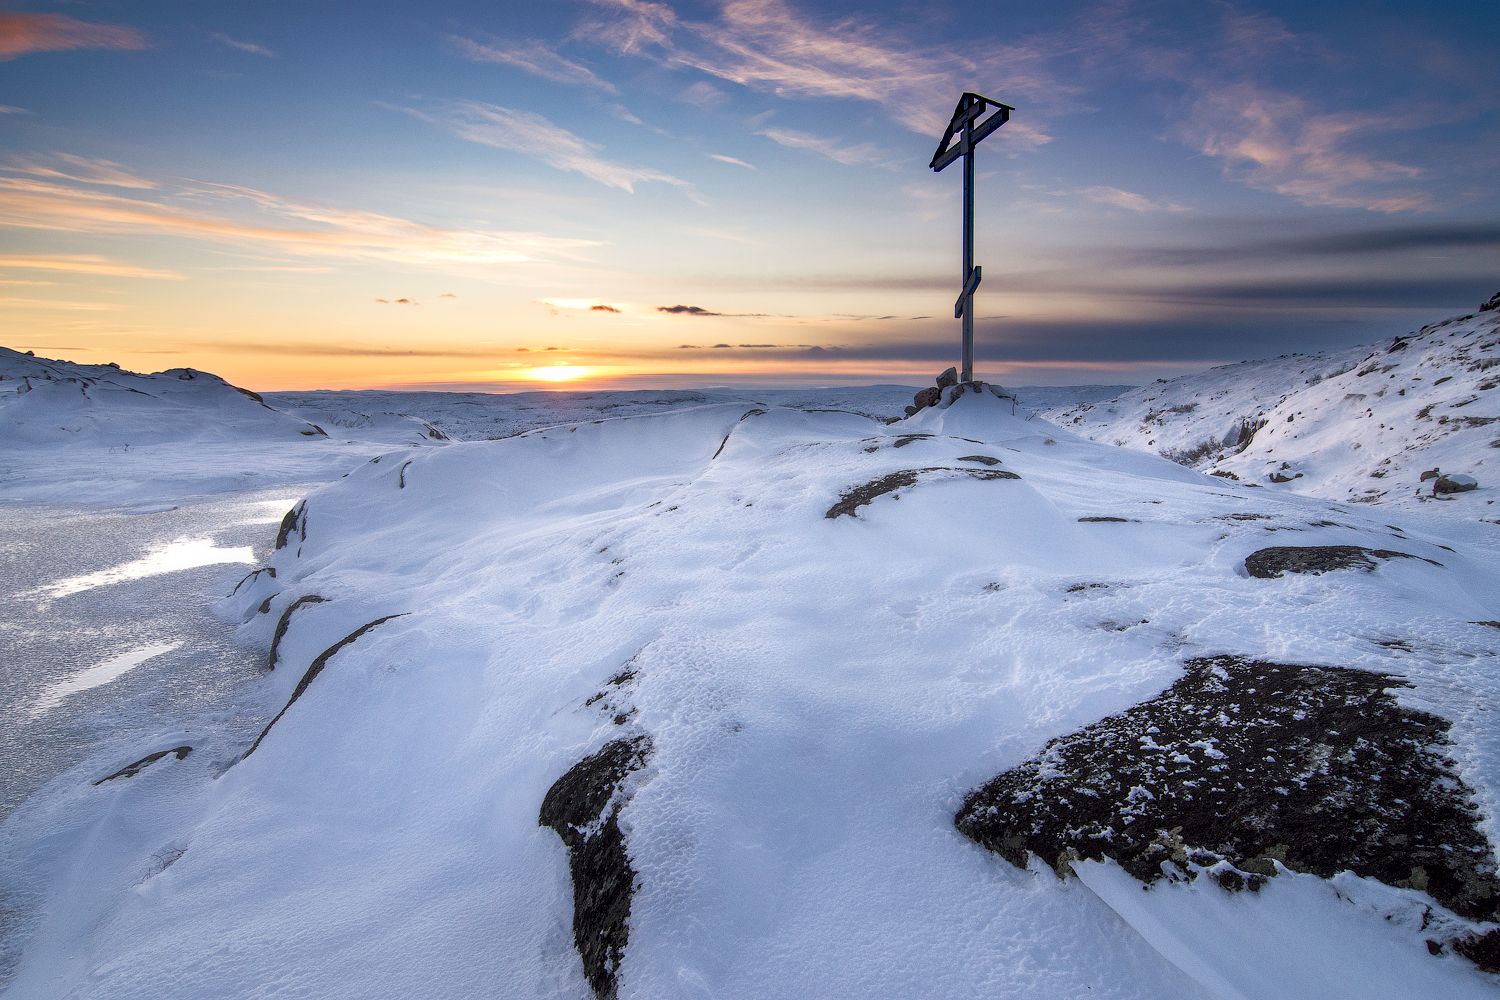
[45, 402]
[1359, 425]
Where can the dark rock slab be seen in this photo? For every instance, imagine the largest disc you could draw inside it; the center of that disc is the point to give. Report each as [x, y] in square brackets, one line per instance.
[1104, 519]
[313, 671]
[1247, 762]
[1269, 563]
[285, 622]
[583, 808]
[981, 459]
[295, 520]
[866, 493]
[132, 769]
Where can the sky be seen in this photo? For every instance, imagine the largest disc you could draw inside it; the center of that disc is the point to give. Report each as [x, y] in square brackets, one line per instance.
[659, 193]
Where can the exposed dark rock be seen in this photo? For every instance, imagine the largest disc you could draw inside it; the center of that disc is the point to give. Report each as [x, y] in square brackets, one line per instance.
[905, 439]
[743, 417]
[314, 431]
[910, 410]
[583, 808]
[1493, 302]
[1249, 762]
[268, 570]
[929, 396]
[401, 484]
[132, 769]
[286, 620]
[1481, 949]
[1429, 474]
[1104, 519]
[295, 520]
[949, 377]
[1490, 624]
[1273, 562]
[981, 459]
[857, 497]
[313, 671]
[1244, 516]
[1443, 485]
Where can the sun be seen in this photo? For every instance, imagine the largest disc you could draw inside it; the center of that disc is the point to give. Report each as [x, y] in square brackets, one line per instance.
[558, 373]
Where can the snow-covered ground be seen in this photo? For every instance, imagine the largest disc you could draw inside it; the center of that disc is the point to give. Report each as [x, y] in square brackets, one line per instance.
[1359, 425]
[745, 653]
[814, 697]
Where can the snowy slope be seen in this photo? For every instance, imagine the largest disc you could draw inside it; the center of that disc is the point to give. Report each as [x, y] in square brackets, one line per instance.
[761, 657]
[1359, 425]
[46, 403]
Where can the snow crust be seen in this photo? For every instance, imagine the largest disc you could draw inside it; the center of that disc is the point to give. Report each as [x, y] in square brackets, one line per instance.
[820, 694]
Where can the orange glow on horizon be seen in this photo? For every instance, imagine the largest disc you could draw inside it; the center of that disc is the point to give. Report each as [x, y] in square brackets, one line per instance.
[559, 373]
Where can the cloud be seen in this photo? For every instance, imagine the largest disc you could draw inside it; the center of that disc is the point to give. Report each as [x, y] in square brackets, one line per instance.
[1128, 200]
[687, 311]
[250, 47]
[535, 136]
[448, 295]
[24, 303]
[90, 264]
[398, 302]
[214, 213]
[703, 94]
[770, 46]
[860, 154]
[603, 309]
[536, 58]
[69, 167]
[24, 33]
[731, 160]
[1276, 141]
[303, 349]
[11, 109]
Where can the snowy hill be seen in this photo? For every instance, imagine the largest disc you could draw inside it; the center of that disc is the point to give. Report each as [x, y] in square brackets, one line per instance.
[761, 702]
[45, 402]
[1359, 425]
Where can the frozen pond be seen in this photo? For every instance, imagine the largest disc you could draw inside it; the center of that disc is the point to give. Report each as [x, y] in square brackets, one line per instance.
[106, 619]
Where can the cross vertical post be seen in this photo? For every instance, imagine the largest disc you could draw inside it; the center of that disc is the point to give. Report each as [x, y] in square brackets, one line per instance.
[968, 129]
[968, 292]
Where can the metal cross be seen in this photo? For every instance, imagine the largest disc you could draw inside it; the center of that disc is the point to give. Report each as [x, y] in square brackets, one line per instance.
[968, 129]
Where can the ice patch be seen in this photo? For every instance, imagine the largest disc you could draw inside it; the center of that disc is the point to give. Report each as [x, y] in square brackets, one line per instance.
[184, 553]
[98, 675]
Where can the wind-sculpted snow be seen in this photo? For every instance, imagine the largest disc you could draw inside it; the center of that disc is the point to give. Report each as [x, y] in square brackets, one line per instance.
[1359, 425]
[819, 696]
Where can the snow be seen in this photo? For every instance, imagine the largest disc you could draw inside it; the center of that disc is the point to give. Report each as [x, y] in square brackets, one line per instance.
[820, 693]
[1358, 425]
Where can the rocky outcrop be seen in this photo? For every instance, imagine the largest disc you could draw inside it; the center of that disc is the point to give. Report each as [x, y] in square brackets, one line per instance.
[1242, 765]
[1445, 485]
[284, 623]
[865, 493]
[583, 808]
[947, 389]
[1272, 562]
[132, 769]
[312, 672]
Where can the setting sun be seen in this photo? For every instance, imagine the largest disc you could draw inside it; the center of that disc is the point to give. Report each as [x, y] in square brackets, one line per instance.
[558, 373]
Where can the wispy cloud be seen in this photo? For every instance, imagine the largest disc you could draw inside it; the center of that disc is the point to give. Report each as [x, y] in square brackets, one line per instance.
[69, 167]
[50, 304]
[857, 154]
[536, 58]
[731, 160]
[216, 213]
[24, 33]
[1129, 200]
[537, 137]
[771, 46]
[11, 109]
[82, 264]
[1277, 141]
[250, 47]
[681, 310]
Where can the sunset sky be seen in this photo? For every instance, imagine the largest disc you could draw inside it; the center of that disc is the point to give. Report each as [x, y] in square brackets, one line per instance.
[622, 193]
